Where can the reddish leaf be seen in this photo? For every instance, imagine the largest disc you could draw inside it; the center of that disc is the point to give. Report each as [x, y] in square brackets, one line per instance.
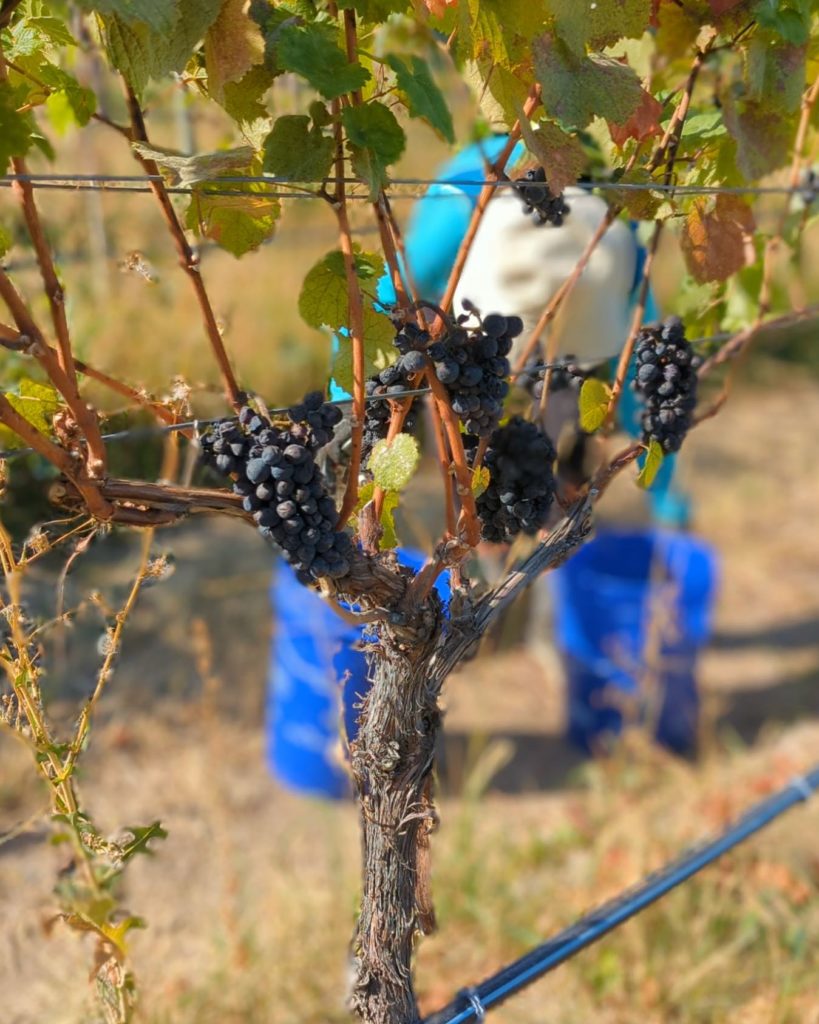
[560, 154]
[643, 123]
[717, 243]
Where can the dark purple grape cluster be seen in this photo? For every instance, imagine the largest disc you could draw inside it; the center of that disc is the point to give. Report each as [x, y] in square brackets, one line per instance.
[565, 374]
[472, 365]
[538, 199]
[274, 471]
[667, 382]
[393, 381]
[520, 459]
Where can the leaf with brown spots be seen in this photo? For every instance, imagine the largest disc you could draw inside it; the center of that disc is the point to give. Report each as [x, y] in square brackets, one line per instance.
[718, 242]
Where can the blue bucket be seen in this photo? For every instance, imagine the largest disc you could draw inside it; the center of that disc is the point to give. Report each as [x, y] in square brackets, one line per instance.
[314, 651]
[622, 591]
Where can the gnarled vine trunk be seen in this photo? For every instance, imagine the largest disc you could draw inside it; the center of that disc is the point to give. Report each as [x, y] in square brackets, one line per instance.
[392, 760]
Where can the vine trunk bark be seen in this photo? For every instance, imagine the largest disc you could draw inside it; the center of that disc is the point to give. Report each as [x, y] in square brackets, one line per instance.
[392, 760]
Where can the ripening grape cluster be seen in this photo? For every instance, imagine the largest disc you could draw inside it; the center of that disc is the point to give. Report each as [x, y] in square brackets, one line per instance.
[565, 374]
[520, 459]
[274, 471]
[538, 199]
[667, 382]
[393, 381]
[472, 365]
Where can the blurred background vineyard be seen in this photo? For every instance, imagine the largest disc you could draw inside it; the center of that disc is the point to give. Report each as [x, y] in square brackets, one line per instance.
[250, 900]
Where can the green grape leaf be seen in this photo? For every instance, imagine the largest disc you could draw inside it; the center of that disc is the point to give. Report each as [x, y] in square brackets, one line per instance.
[789, 20]
[237, 223]
[577, 89]
[421, 95]
[142, 52]
[313, 52]
[243, 99]
[233, 45]
[389, 537]
[392, 465]
[16, 129]
[200, 167]
[6, 240]
[594, 404]
[323, 300]
[651, 462]
[158, 15]
[499, 29]
[502, 93]
[775, 72]
[702, 127]
[480, 480]
[717, 240]
[376, 140]
[763, 136]
[378, 10]
[295, 150]
[69, 102]
[599, 24]
[36, 402]
[140, 837]
[561, 155]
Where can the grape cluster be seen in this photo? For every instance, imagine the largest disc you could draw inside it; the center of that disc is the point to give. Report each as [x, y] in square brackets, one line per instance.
[472, 366]
[565, 374]
[520, 459]
[274, 471]
[667, 382]
[538, 199]
[393, 381]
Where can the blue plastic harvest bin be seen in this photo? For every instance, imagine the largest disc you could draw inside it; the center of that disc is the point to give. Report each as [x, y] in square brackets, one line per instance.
[317, 678]
[604, 597]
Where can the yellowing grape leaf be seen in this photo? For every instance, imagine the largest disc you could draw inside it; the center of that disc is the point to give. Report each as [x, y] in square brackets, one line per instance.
[560, 154]
[594, 404]
[233, 45]
[652, 461]
[718, 241]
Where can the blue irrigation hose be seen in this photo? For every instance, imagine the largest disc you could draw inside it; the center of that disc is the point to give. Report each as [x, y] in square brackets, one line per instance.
[473, 1003]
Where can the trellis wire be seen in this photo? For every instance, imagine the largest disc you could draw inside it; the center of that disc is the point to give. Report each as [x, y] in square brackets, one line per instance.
[472, 1004]
[141, 183]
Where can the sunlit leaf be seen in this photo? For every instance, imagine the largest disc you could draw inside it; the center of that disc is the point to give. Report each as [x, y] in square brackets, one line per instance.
[392, 465]
[652, 461]
[312, 51]
[594, 404]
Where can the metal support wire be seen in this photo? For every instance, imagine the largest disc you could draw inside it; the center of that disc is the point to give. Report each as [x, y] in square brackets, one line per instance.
[137, 183]
[473, 1003]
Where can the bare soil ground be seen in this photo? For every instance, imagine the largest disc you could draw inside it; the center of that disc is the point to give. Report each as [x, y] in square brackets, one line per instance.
[250, 901]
